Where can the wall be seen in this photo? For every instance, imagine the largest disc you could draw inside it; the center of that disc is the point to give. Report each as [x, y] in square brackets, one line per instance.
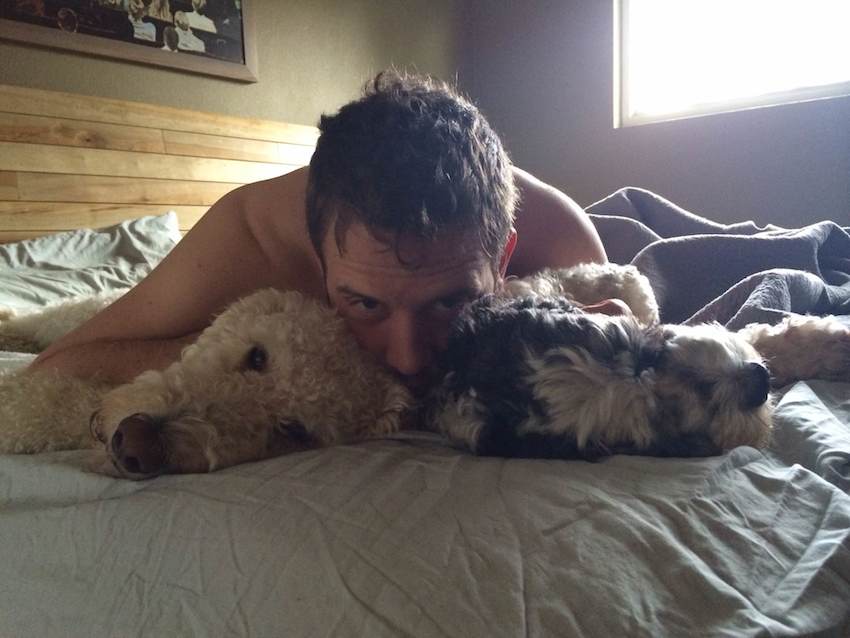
[314, 55]
[544, 77]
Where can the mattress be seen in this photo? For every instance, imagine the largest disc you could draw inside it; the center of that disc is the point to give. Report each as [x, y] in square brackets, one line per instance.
[407, 536]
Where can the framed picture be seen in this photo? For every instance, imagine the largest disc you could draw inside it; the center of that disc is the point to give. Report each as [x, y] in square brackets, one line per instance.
[211, 37]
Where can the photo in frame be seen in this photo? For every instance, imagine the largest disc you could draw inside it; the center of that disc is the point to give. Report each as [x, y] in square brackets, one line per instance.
[210, 37]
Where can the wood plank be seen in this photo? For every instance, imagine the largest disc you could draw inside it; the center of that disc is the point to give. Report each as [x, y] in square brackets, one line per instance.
[90, 161]
[34, 129]
[198, 145]
[8, 185]
[45, 187]
[8, 236]
[48, 216]
[293, 154]
[18, 99]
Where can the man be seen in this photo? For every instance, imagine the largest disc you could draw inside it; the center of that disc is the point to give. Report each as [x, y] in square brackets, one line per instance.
[142, 30]
[405, 213]
[186, 38]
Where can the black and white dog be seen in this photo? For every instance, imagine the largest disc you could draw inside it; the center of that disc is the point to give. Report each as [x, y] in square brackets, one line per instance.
[537, 377]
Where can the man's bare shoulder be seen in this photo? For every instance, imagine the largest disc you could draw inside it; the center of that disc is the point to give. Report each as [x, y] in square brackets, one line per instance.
[274, 206]
[273, 211]
[553, 230]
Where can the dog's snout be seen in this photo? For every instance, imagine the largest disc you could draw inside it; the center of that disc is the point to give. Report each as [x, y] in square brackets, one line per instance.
[137, 445]
[756, 386]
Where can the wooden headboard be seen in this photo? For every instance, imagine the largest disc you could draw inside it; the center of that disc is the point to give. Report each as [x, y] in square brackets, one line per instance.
[69, 161]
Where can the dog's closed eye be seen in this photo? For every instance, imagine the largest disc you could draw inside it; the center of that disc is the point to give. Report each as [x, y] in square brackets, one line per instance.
[705, 389]
[257, 359]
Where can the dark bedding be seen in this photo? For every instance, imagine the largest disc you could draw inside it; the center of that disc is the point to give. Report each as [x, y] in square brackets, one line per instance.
[735, 274]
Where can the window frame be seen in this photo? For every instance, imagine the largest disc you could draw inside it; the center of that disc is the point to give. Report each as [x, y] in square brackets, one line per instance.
[623, 118]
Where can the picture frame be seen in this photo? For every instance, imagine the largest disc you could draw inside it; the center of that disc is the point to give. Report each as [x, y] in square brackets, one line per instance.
[209, 37]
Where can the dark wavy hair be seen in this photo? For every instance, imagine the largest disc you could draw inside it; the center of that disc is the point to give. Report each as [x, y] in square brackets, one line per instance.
[412, 157]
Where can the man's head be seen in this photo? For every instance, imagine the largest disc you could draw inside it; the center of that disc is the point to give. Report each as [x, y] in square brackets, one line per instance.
[136, 9]
[410, 205]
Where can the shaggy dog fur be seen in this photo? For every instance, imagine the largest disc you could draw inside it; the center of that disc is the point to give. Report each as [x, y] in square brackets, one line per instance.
[278, 372]
[537, 377]
[802, 347]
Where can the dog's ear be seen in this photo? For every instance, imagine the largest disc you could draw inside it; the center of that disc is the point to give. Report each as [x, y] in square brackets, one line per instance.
[650, 349]
[597, 402]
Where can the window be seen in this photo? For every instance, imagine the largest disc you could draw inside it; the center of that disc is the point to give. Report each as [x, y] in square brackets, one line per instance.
[680, 58]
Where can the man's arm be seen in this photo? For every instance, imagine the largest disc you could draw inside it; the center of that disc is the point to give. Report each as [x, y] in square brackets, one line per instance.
[113, 361]
[553, 231]
[245, 242]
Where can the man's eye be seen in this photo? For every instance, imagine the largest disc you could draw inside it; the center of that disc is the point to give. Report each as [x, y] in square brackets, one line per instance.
[363, 308]
[365, 303]
[450, 304]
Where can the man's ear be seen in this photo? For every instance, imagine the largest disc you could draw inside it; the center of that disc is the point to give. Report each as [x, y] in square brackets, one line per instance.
[505, 259]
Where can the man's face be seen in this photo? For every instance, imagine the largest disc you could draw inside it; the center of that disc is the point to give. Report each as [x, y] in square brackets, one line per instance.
[401, 311]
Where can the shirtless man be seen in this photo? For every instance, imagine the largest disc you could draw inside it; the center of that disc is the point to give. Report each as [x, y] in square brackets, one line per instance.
[405, 213]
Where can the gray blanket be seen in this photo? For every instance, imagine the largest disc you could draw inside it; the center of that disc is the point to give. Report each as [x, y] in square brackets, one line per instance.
[735, 274]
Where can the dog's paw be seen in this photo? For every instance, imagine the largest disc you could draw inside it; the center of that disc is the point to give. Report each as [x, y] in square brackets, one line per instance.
[803, 347]
[13, 343]
[10, 341]
[460, 419]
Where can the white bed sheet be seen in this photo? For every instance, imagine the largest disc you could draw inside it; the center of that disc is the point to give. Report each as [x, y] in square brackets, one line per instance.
[409, 537]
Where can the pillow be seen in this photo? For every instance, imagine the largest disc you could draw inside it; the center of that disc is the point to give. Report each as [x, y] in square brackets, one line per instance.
[82, 262]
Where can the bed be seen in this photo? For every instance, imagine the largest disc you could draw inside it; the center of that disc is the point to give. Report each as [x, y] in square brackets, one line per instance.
[399, 536]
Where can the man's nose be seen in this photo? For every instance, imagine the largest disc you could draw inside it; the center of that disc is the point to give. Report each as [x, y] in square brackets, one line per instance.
[407, 352]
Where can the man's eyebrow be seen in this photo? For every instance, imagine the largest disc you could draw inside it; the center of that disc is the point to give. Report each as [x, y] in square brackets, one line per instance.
[469, 292]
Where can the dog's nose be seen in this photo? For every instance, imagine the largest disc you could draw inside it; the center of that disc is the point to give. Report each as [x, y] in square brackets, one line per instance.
[137, 446]
[756, 385]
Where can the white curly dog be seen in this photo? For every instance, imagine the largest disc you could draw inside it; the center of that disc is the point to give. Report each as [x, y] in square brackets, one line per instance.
[278, 372]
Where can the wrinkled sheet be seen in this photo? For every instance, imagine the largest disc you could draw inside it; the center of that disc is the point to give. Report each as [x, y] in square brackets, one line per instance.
[735, 274]
[84, 262]
[407, 536]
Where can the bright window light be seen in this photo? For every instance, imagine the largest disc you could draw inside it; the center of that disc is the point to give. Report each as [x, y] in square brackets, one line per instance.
[679, 58]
